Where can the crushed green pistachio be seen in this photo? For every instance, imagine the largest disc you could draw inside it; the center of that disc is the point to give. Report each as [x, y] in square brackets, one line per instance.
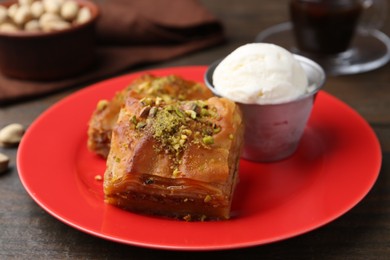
[158, 101]
[140, 125]
[169, 125]
[204, 112]
[179, 112]
[147, 101]
[176, 172]
[190, 113]
[208, 140]
[187, 132]
[217, 129]
[133, 119]
[207, 198]
[195, 107]
[166, 88]
[102, 104]
[153, 111]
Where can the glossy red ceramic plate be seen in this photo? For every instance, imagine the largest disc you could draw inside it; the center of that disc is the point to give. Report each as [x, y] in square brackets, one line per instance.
[335, 166]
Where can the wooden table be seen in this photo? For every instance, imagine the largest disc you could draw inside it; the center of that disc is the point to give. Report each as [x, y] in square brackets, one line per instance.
[28, 232]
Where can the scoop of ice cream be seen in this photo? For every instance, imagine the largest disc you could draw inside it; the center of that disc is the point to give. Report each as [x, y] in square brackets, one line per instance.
[260, 73]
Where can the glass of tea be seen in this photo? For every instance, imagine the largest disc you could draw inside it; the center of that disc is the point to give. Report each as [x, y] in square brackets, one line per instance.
[327, 27]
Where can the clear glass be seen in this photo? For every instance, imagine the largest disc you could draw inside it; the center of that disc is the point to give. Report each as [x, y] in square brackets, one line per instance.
[368, 51]
[327, 27]
[343, 36]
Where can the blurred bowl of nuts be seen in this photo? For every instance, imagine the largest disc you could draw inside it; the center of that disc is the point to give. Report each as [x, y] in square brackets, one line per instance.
[47, 39]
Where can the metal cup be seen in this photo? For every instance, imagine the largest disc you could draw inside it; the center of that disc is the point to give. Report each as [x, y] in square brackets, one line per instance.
[273, 131]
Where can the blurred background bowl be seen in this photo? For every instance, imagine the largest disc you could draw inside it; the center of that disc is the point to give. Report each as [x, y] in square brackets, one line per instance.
[49, 55]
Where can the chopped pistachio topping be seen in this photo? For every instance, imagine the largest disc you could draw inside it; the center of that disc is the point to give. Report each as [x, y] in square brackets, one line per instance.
[147, 101]
[204, 112]
[168, 89]
[187, 132]
[133, 119]
[176, 172]
[207, 198]
[217, 129]
[170, 126]
[208, 139]
[140, 125]
[102, 104]
[153, 111]
[191, 113]
[158, 101]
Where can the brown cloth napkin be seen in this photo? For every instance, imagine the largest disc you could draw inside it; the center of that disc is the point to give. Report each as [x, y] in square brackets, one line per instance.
[130, 33]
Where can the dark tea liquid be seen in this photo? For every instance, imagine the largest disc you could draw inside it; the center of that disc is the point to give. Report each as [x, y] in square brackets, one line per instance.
[324, 26]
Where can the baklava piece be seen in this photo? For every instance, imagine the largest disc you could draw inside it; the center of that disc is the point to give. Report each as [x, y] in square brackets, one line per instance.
[178, 160]
[168, 89]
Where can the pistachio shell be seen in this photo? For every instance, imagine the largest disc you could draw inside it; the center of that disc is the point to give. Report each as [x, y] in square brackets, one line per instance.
[84, 15]
[12, 10]
[22, 15]
[69, 10]
[4, 162]
[47, 17]
[32, 26]
[52, 6]
[25, 2]
[55, 25]
[65, 13]
[8, 27]
[11, 134]
[3, 14]
[37, 9]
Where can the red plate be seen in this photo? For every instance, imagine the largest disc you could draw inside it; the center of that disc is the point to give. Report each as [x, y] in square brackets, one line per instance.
[335, 166]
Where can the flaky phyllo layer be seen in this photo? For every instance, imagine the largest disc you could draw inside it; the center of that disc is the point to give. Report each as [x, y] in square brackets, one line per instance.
[175, 158]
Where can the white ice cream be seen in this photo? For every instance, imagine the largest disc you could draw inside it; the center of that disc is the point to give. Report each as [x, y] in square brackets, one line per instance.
[260, 73]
